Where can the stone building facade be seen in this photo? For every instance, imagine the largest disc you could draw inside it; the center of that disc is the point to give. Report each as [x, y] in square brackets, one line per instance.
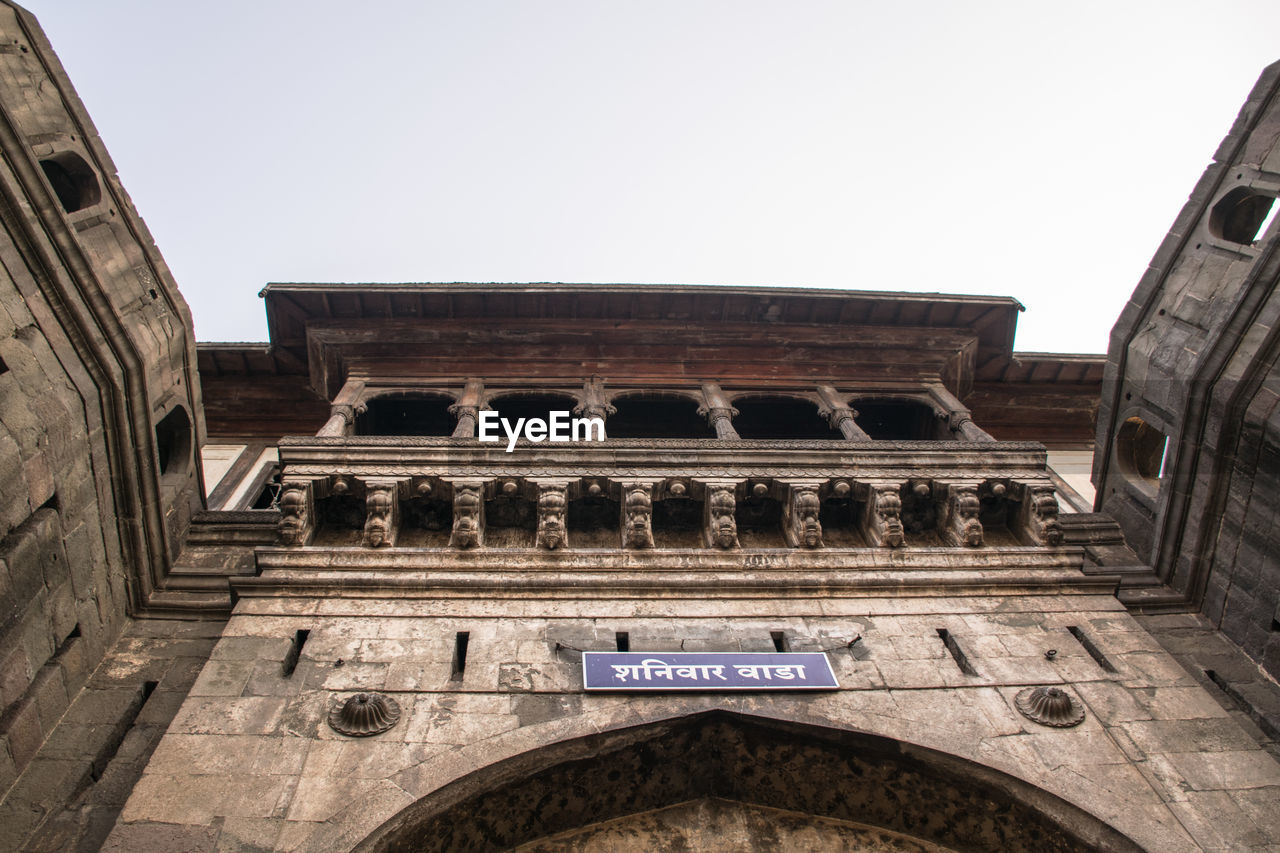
[284, 597]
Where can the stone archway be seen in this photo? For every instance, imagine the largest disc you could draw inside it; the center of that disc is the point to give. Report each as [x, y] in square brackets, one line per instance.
[766, 785]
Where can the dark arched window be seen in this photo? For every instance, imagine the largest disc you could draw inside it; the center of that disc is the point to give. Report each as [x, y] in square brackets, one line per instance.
[408, 413]
[889, 419]
[531, 405]
[650, 415]
[767, 417]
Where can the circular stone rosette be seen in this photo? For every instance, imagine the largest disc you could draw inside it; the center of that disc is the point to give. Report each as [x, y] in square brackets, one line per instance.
[1050, 706]
[364, 714]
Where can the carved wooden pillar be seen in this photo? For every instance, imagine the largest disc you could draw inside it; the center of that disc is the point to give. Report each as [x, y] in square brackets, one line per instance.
[468, 514]
[1038, 514]
[959, 419]
[346, 405]
[801, 525]
[553, 505]
[719, 527]
[716, 409]
[297, 512]
[382, 513]
[594, 404]
[838, 413]
[637, 514]
[881, 521]
[467, 409]
[959, 523]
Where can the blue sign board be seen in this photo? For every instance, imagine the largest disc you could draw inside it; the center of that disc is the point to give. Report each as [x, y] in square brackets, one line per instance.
[707, 671]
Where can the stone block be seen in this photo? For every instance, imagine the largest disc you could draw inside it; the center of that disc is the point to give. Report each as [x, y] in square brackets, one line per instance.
[147, 837]
[24, 735]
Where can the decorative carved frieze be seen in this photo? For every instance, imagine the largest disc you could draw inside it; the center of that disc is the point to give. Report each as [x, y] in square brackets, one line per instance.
[720, 529]
[468, 514]
[637, 515]
[881, 521]
[553, 502]
[801, 525]
[382, 509]
[960, 524]
[297, 516]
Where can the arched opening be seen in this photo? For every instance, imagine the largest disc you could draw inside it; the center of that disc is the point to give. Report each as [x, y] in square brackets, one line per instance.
[1140, 452]
[772, 417]
[1242, 216]
[73, 181]
[406, 413]
[889, 419]
[657, 416]
[772, 780]
[173, 443]
[513, 407]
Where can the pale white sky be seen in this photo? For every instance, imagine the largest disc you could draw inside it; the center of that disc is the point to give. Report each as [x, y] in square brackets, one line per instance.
[1028, 149]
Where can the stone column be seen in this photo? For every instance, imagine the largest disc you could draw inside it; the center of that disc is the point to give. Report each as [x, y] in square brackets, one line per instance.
[719, 527]
[346, 405]
[881, 521]
[715, 407]
[382, 513]
[467, 409]
[468, 514]
[297, 512]
[637, 513]
[959, 419]
[838, 413]
[801, 525]
[593, 403]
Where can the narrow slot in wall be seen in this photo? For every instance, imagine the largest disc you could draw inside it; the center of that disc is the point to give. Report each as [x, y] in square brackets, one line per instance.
[780, 641]
[460, 641]
[1094, 652]
[622, 640]
[957, 654]
[290, 662]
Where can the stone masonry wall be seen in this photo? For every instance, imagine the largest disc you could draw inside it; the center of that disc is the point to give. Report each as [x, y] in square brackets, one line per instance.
[251, 760]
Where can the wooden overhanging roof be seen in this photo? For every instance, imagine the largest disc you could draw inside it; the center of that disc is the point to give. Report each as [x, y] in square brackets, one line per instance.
[295, 308]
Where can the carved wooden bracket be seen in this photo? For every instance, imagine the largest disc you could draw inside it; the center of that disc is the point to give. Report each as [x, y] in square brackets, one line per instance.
[637, 514]
[468, 514]
[719, 527]
[800, 516]
[382, 513]
[297, 513]
[959, 524]
[553, 504]
[1038, 514]
[881, 521]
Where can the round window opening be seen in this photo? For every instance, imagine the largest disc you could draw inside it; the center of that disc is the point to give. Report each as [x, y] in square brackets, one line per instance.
[1140, 450]
[1242, 216]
